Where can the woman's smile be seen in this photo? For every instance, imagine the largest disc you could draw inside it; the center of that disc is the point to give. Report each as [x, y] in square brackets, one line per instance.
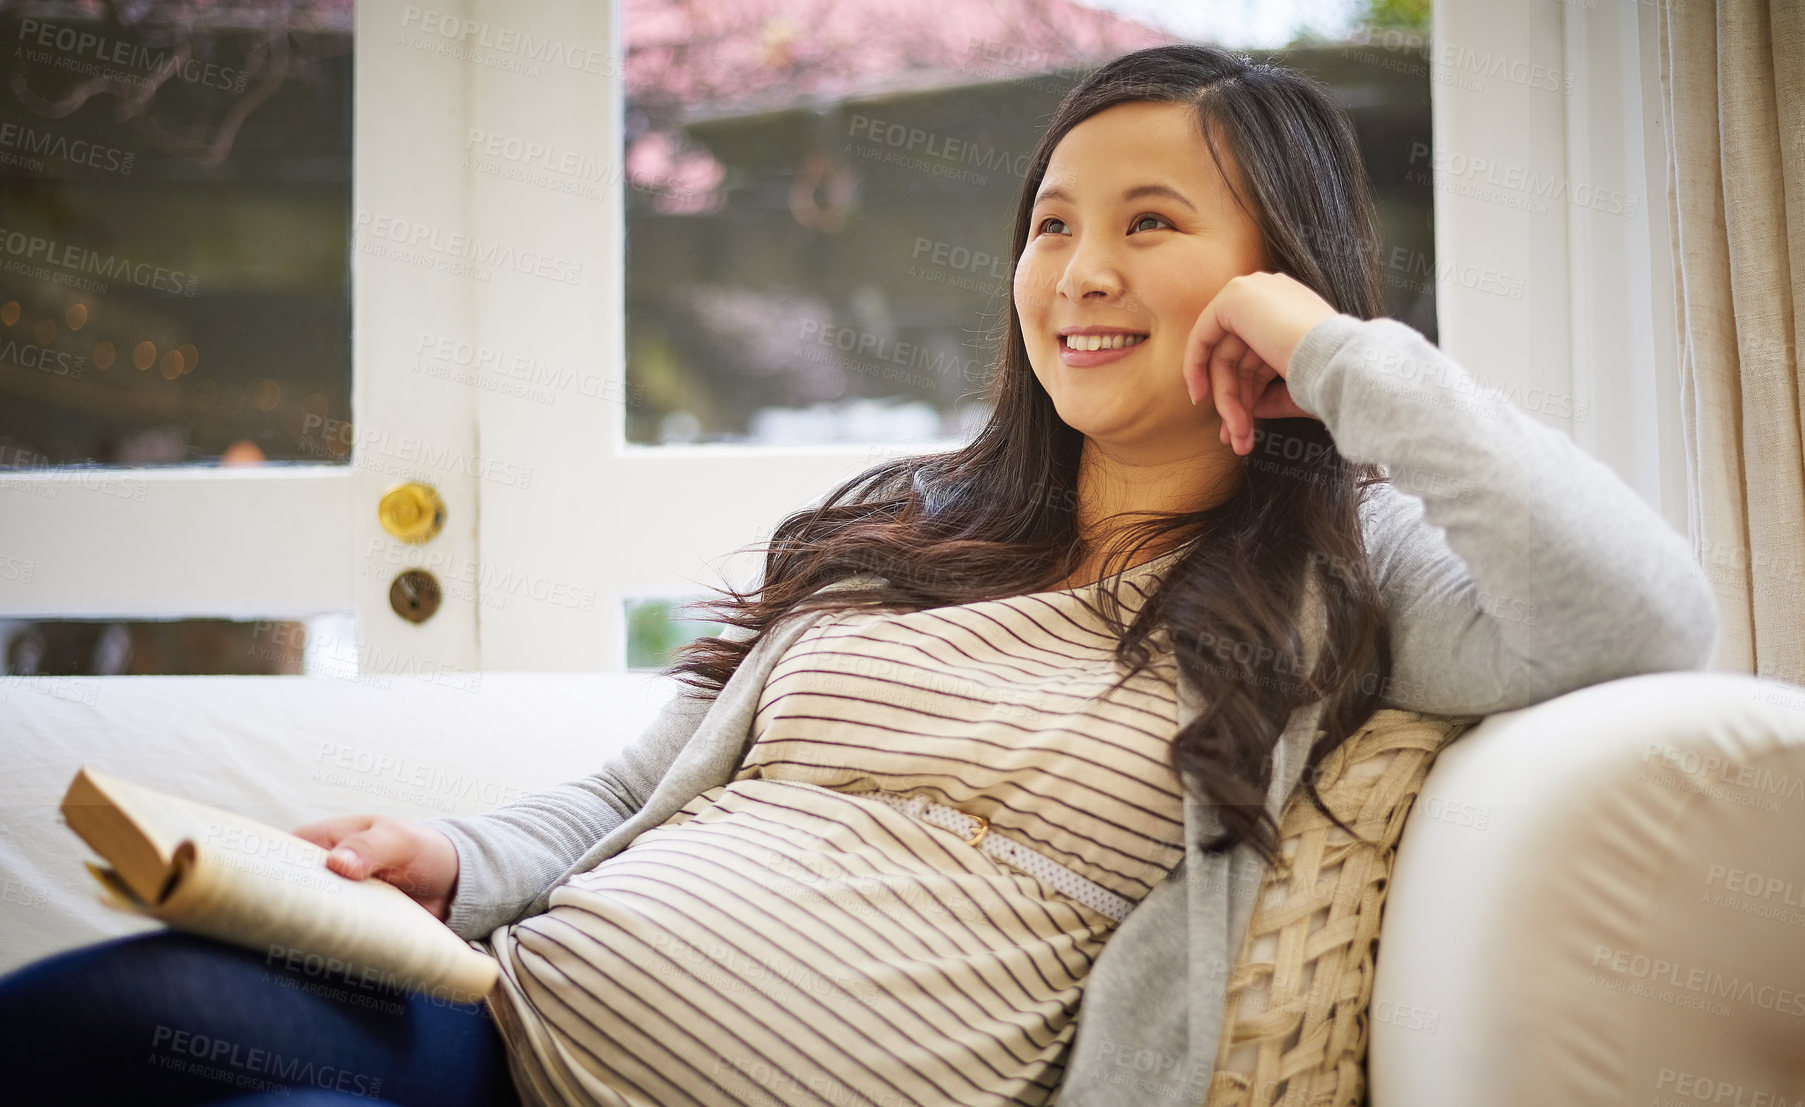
[1082, 347]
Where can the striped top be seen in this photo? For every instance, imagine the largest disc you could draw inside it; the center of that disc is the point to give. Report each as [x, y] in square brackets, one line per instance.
[784, 939]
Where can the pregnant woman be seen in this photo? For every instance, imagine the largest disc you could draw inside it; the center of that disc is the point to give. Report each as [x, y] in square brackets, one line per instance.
[969, 804]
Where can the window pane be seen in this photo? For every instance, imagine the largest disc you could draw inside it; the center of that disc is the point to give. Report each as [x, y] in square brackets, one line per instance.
[174, 277]
[324, 645]
[654, 632]
[819, 198]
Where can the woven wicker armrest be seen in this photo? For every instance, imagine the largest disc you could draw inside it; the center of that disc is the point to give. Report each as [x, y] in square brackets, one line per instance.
[1295, 1020]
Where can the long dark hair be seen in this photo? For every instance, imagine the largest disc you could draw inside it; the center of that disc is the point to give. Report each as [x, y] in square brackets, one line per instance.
[995, 518]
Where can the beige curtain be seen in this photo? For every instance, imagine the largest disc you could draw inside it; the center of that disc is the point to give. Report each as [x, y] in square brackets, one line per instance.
[1733, 80]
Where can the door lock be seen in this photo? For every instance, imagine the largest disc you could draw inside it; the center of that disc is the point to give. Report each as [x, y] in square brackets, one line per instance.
[415, 595]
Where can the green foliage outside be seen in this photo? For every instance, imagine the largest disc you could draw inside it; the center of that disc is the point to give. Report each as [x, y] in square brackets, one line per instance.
[1410, 15]
[654, 635]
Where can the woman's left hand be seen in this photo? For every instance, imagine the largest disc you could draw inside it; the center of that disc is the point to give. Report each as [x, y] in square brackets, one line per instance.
[1240, 350]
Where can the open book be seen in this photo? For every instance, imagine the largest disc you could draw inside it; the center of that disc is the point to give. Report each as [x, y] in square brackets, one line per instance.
[213, 872]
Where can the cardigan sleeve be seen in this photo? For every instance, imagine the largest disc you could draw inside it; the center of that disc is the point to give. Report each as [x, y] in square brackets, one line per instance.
[508, 857]
[1515, 566]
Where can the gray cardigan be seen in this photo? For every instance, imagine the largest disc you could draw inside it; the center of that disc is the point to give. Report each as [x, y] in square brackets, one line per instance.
[1515, 568]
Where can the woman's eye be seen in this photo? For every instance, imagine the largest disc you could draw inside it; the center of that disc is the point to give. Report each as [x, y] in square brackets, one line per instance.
[1157, 222]
[1052, 225]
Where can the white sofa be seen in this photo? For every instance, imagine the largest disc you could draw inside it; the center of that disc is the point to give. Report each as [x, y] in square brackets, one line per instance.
[1597, 900]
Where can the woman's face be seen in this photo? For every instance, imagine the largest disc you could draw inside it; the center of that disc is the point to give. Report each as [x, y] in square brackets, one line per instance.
[1133, 231]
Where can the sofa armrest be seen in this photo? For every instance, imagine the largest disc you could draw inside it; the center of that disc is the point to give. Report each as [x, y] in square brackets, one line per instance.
[1600, 899]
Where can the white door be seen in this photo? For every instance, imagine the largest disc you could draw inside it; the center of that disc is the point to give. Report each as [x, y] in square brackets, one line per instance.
[283, 539]
[485, 323]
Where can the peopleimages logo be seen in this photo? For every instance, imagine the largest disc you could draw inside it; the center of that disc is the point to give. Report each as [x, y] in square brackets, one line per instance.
[162, 64]
[1452, 167]
[881, 348]
[471, 34]
[44, 144]
[79, 259]
[254, 1067]
[470, 248]
[28, 355]
[1705, 982]
[914, 140]
[1705, 1089]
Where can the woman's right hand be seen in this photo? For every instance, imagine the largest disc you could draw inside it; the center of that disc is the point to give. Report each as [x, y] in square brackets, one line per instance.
[416, 858]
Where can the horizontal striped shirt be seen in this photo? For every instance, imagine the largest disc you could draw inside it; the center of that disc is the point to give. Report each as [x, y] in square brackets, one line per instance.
[786, 939]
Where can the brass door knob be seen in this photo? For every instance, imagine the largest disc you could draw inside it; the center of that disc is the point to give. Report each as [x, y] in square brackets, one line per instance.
[412, 512]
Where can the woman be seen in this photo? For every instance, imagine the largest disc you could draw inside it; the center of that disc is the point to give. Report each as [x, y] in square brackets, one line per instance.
[936, 787]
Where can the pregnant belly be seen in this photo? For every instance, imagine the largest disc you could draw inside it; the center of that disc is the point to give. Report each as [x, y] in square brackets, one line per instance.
[781, 941]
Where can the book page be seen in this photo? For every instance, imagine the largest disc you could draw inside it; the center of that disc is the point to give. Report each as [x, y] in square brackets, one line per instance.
[296, 911]
[242, 881]
[163, 819]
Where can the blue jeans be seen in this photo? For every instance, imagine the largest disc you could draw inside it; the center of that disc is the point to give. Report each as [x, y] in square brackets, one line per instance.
[168, 1018]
